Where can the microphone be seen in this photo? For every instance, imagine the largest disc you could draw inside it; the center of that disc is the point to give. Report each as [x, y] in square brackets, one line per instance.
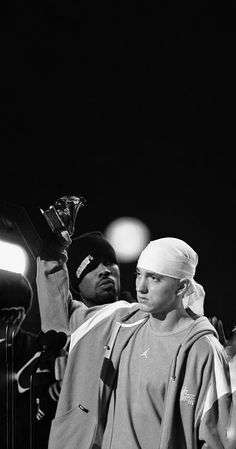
[11, 319]
[12, 315]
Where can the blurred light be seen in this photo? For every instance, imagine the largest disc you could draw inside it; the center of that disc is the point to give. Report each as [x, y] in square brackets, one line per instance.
[128, 236]
[12, 257]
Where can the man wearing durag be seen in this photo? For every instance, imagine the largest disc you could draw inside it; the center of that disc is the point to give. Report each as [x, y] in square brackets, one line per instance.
[144, 375]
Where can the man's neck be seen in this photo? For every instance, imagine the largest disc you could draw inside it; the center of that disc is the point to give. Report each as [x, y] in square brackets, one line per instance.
[88, 303]
[173, 321]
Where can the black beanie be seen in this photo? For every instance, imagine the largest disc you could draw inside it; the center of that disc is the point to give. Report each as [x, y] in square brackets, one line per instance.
[15, 290]
[85, 253]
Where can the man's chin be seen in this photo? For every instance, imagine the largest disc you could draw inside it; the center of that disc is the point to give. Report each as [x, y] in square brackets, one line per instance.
[107, 296]
[144, 307]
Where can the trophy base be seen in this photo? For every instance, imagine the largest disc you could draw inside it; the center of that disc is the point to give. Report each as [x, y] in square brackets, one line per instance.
[31, 224]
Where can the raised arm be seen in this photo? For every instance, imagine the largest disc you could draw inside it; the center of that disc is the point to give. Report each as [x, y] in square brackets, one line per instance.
[56, 304]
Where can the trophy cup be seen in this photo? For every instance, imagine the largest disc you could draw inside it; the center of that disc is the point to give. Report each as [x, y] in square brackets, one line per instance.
[62, 214]
[41, 228]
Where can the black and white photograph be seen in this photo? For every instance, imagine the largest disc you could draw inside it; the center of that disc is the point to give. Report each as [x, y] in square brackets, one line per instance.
[117, 225]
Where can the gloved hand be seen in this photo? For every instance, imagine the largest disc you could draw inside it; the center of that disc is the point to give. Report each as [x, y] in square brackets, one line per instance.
[57, 249]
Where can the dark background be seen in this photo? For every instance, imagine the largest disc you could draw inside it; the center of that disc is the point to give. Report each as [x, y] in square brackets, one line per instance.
[131, 106]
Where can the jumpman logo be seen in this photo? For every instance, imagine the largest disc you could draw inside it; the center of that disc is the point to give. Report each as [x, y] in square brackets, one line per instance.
[145, 353]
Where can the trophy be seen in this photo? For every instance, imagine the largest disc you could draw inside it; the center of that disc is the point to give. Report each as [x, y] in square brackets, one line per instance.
[41, 228]
[62, 214]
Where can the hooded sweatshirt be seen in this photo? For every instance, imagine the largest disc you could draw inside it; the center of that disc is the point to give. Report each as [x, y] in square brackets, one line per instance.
[197, 400]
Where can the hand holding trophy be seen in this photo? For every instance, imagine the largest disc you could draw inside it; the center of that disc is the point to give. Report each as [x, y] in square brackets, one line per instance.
[41, 229]
[62, 214]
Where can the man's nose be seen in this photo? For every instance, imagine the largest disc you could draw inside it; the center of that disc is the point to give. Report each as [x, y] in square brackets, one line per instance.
[141, 285]
[105, 269]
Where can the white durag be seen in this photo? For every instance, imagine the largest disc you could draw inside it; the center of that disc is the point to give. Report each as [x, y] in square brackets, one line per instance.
[173, 257]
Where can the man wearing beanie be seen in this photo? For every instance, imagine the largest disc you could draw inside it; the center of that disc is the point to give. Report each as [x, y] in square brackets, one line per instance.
[145, 375]
[94, 279]
[93, 269]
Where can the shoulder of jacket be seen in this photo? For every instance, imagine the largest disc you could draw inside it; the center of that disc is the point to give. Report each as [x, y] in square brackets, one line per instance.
[209, 345]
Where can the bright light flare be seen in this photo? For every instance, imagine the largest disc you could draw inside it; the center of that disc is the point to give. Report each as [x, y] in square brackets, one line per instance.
[128, 236]
[12, 257]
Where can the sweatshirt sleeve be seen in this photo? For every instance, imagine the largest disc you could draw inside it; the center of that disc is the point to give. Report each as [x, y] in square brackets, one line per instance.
[215, 414]
[55, 300]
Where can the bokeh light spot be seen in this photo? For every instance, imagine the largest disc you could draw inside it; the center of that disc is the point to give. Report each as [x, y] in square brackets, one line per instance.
[12, 257]
[128, 236]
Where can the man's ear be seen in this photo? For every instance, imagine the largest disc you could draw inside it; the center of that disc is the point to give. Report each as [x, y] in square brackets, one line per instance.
[183, 286]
